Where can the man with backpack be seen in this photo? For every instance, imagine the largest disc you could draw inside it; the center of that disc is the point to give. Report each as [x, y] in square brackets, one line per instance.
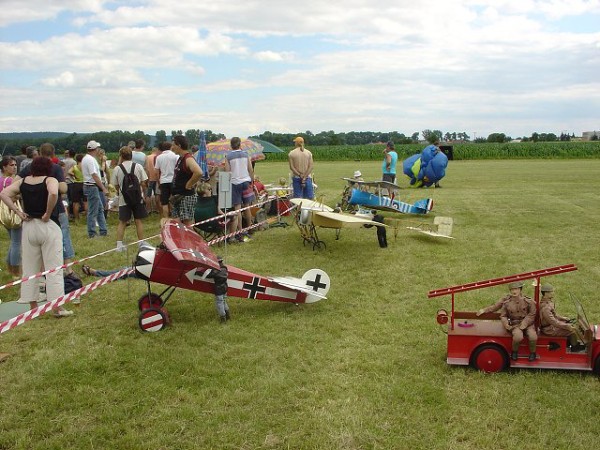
[129, 179]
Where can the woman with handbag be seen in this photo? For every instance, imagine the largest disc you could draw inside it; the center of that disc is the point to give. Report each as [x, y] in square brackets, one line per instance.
[12, 222]
[41, 242]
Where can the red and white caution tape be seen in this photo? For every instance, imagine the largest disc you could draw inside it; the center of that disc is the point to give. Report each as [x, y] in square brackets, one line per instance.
[33, 313]
[36, 312]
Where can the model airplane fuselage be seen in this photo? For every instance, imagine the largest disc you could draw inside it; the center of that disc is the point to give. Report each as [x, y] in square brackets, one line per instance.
[387, 203]
[184, 260]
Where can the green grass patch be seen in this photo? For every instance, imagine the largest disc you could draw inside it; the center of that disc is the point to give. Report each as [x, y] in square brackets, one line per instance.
[364, 369]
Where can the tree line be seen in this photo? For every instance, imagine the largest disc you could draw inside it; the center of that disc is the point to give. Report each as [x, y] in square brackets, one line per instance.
[112, 141]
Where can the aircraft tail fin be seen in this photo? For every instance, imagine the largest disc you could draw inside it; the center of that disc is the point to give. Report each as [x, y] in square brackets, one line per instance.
[444, 225]
[318, 282]
[425, 205]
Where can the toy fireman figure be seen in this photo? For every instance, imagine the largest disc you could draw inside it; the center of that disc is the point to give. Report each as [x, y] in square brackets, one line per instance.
[551, 324]
[220, 279]
[518, 317]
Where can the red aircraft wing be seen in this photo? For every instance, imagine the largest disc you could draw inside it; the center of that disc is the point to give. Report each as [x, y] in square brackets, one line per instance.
[187, 246]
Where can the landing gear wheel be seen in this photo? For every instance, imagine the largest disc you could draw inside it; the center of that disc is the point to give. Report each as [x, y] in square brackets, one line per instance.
[153, 319]
[149, 301]
[489, 359]
[319, 245]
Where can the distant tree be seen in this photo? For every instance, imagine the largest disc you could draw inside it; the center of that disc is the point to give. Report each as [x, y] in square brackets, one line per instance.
[415, 136]
[193, 137]
[497, 137]
[161, 136]
[431, 135]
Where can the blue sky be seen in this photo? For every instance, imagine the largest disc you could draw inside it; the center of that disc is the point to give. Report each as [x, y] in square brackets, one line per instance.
[241, 68]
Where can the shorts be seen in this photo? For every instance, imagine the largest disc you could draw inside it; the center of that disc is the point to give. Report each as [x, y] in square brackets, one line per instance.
[184, 209]
[76, 192]
[165, 193]
[152, 189]
[139, 212]
[391, 177]
[237, 192]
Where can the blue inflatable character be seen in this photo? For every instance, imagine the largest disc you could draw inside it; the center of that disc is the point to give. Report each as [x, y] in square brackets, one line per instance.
[426, 168]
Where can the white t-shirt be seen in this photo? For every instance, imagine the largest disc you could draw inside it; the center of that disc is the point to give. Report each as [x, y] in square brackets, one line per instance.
[118, 175]
[165, 162]
[89, 166]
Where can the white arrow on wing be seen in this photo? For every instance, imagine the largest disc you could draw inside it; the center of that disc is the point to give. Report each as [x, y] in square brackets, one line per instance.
[193, 275]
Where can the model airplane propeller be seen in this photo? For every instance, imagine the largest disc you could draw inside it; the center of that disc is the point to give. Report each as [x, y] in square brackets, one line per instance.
[184, 260]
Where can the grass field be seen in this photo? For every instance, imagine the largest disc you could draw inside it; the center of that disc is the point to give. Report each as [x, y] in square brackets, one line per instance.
[364, 369]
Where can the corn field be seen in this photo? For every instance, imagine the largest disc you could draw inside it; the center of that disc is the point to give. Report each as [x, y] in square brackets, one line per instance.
[467, 151]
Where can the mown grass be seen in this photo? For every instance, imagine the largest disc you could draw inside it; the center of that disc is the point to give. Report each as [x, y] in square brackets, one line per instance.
[364, 369]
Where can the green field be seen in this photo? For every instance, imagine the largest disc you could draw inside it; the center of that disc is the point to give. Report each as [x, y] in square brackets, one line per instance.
[364, 369]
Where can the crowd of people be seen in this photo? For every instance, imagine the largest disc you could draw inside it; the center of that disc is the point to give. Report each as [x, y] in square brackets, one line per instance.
[55, 193]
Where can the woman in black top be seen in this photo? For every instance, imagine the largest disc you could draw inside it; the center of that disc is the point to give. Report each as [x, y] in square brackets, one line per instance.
[41, 243]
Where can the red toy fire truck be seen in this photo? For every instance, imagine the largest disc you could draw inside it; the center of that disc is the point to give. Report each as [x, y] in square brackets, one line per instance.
[482, 342]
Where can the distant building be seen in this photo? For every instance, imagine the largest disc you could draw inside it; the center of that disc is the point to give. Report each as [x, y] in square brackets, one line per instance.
[587, 135]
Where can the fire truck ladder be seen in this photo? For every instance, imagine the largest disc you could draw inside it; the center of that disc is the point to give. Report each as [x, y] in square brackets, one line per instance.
[537, 274]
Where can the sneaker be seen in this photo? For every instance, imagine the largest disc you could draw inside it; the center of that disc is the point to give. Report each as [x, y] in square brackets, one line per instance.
[532, 357]
[62, 313]
[227, 315]
[514, 356]
[76, 301]
[223, 319]
[121, 248]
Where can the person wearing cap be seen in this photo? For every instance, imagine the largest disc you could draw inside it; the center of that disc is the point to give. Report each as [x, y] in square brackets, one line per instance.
[390, 160]
[301, 165]
[220, 279]
[517, 315]
[551, 324]
[92, 189]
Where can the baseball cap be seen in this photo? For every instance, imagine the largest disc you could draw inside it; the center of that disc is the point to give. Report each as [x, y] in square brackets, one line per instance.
[93, 145]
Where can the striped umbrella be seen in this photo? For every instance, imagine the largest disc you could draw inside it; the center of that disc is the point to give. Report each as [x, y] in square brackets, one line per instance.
[216, 151]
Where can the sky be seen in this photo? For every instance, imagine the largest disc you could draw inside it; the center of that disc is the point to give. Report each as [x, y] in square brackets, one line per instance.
[242, 68]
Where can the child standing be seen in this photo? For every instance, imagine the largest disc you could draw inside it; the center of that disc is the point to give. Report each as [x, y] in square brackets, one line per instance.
[220, 279]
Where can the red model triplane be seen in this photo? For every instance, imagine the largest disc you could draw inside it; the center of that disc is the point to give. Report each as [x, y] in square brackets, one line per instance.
[183, 260]
[482, 342]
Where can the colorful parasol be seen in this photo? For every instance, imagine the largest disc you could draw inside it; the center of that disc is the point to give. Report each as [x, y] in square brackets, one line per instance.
[216, 151]
[201, 156]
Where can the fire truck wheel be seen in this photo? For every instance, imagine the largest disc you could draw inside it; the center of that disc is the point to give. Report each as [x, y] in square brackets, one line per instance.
[597, 365]
[489, 358]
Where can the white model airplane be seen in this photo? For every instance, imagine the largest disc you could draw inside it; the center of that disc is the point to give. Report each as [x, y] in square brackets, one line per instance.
[312, 214]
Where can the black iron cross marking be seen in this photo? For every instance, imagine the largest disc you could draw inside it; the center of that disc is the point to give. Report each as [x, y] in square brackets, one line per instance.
[254, 287]
[316, 285]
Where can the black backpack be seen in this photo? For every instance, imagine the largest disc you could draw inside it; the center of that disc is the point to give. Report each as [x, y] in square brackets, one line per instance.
[131, 190]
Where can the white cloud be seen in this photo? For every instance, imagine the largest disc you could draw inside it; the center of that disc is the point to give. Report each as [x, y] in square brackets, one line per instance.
[469, 64]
